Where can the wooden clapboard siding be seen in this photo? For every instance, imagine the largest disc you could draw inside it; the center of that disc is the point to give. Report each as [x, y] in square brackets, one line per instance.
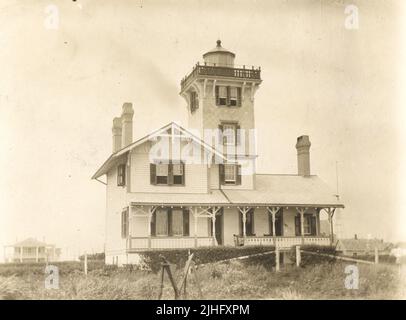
[115, 202]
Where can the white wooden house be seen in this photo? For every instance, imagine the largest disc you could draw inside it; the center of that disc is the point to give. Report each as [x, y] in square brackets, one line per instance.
[197, 186]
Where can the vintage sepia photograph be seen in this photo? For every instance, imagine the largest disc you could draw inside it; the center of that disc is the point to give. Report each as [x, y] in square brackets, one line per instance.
[202, 150]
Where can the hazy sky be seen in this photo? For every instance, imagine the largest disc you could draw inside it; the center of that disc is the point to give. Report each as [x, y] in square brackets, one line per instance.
[60, 89]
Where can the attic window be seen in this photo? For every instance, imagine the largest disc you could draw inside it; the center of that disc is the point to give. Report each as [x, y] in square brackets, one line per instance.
[121, 175]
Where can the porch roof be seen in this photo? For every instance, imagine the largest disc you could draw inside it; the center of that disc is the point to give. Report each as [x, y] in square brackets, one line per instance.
[216, 197]
[286, 190]
[270, 190]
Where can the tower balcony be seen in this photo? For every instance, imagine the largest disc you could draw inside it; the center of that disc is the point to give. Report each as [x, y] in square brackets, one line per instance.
[213, 71]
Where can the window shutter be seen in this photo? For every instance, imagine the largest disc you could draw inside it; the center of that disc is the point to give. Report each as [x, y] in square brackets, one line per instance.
[313, 225]
[153, 224]
[239, 97]
[170, 174]
[238, 182]
[183, 173]
[152, 171]
[185, 222]
[217, 96]
[221, 173]
[238, 134]
[297, 225]
[169, 212]
[228, 96]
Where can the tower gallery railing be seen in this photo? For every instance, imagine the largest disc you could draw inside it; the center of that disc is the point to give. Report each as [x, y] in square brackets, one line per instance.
[221, 71]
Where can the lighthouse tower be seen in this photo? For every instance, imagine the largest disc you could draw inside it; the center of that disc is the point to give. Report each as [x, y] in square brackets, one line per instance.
[220, 95]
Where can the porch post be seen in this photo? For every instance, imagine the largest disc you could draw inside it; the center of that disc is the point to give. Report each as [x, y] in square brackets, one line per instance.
[36, 254]
[301, 212]
[149, 218]
[244, 220]
[195, 224]
[213, 220]
[330, 213]
[273, 211]
[21, 254]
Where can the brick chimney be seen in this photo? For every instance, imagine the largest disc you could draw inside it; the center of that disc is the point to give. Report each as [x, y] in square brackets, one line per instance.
[127, 124]
[303, 155]
[116, 134]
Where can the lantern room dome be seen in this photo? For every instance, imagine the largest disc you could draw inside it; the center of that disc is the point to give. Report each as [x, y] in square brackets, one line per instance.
[219, 56]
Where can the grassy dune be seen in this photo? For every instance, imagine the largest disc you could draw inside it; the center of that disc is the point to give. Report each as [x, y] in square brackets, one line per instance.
[234, 280]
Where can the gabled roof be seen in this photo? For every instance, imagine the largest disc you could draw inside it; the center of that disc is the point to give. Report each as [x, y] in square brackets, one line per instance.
[30, 242]
[286, 190]
[117, 156]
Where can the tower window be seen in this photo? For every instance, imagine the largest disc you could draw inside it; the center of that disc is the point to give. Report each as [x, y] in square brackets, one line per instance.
[233, 96]
[228, 96]
[222, 99]
[229, 130]
[230, 173]
[194, 102]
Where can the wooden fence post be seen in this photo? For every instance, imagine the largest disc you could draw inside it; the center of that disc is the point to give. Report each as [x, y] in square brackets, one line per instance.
[277, 261]
[298, 257]
[376, 256]
[85, 263]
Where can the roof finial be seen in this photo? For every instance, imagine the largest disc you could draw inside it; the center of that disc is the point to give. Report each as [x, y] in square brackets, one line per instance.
[219, 43]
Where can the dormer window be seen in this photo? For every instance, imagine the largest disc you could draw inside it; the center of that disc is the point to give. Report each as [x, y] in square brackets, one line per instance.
[121, 175]
[228, 96]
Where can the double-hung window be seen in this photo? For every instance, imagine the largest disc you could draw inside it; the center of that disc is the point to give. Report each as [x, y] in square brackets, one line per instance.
[230, 173]
[233, 96]
[121, 175]
[229, 134]
[162, 170]
[170, 222]
[222, 97]
[167, 173]
[228, 96]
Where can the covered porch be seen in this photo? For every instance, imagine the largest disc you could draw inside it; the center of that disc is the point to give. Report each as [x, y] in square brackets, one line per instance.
[171, 226]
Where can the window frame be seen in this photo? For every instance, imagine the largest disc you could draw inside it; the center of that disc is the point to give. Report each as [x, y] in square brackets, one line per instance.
[125, 223]
[234, 181]
[121, 175]
[170, 180]
[184, 223]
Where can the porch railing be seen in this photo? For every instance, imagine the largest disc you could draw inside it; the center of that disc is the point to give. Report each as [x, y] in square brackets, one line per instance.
[281, 241]
[135, 243]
